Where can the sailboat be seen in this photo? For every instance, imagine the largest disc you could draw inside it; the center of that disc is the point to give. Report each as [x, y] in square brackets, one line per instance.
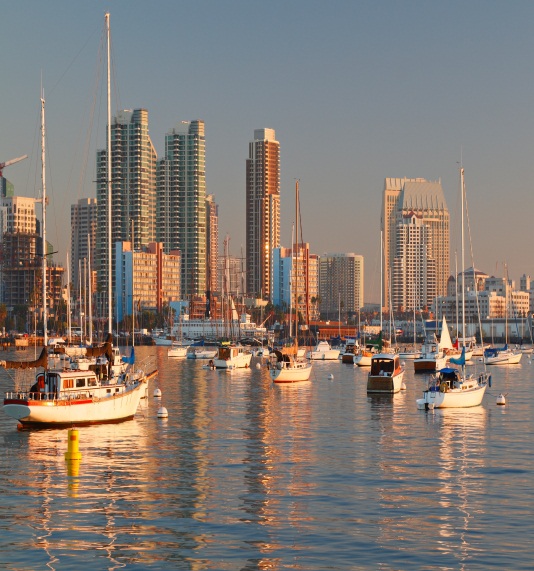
[58, 395]
[451, 387]
[503, 355]
[287, 366]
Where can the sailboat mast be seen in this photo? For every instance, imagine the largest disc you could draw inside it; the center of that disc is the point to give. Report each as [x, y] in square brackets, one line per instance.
[463, 256]
[110, 264]
[296, 264]
[43, 178]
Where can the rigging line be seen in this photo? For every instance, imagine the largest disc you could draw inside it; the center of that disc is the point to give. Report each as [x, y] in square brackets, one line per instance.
[73, 60]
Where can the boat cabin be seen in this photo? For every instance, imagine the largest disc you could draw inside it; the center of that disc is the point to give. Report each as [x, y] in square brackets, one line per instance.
[384, 365]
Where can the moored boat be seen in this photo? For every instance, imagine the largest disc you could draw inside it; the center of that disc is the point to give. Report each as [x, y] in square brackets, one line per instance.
[232, 357]
[67, 397]
[323, 352]
[386, 374]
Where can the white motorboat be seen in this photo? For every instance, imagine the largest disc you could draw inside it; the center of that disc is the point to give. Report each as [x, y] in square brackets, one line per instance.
[323, 352]
[232, 357]
[386, 374]
[177, 350]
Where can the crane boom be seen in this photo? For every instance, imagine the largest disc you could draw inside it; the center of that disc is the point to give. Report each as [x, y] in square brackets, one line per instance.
[11, 162]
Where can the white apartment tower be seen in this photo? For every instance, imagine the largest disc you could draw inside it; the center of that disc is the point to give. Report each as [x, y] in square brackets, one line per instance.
[403, 198]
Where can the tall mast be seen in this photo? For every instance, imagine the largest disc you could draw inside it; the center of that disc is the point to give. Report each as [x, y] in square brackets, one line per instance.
[462, 184]
[296, 264]
[89, 289]
[110, 263]
[43, 178]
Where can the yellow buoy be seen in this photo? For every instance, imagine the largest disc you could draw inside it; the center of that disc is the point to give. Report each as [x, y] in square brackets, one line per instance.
[73, 451]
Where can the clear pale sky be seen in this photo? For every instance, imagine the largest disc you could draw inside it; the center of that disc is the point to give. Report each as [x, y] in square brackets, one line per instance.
[356, 90]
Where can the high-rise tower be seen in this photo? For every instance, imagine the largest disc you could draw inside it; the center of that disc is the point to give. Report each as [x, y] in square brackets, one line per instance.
[181, 204]
[133, 188]
[262, 210]
[83, 222]
[415, 226]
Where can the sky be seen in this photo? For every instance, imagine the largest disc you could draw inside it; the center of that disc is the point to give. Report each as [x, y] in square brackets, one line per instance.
[356, 90]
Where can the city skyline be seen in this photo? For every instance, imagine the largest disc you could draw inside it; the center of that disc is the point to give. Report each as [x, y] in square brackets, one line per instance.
[356, 92]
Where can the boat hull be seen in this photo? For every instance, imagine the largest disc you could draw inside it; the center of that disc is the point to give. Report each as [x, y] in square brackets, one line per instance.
[79, 411]
[502, 359]
[241, 361]
[452, 399]
[385, 384]
[291, 373]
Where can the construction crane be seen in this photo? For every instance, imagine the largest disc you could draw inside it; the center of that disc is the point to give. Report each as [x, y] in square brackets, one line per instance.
[11, 162]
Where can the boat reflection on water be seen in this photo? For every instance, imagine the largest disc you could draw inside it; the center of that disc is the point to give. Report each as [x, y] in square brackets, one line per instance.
[75, 501]
[460, 491]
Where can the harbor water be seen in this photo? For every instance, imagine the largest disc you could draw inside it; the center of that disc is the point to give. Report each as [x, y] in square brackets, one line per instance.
[248, 475]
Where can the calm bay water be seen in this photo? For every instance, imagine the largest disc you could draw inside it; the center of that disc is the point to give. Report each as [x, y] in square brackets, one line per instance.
[246, 475]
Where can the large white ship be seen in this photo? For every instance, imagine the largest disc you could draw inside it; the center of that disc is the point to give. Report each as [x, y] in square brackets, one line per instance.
[214, 328]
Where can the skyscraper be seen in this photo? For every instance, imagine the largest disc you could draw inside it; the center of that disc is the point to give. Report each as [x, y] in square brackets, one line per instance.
[133, 188]
[340, 283]
[402, 199]
[262, 210]
[83, 221]
[212, 243]
[181, 203]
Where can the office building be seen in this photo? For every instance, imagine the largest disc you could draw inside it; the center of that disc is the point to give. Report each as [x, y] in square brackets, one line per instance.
[262, 211]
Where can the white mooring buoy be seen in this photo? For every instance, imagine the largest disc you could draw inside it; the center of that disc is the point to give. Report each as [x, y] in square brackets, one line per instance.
[258, 365]
[162, 412]
[501, 400]
[157, 393]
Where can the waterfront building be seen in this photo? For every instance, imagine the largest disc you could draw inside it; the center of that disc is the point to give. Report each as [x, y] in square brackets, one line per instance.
[133, 189]
[83, 222]
[341, 277]
[262, 211]
[21, 257]
[147, 279]
[295, 280]
[425, 199]
[181, 203]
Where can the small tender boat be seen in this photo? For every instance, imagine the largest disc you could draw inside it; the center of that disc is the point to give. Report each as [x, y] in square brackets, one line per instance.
[386, 374]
